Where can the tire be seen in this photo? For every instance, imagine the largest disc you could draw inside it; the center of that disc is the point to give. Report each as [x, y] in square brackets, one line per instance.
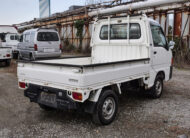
[20, 57]
[46, 108]
[31, 57]
[157, 90]
[15, 55]
[106, 108]
[8, 62]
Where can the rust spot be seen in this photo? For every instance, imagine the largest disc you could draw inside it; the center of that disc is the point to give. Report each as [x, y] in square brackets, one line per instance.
[177, 23]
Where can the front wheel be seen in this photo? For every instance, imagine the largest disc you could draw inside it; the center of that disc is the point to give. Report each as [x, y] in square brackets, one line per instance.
[157, 90]
[106, 108]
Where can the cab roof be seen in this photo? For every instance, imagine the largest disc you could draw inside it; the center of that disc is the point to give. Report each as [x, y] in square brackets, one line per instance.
[132, 17]
[40, 29]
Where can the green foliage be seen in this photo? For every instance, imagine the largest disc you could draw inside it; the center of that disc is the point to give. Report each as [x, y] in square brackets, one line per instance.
[170, 30]
[79, 24]
[67, 46]
[66, 42]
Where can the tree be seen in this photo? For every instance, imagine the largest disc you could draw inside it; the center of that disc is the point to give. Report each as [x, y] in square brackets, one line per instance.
[170, 30]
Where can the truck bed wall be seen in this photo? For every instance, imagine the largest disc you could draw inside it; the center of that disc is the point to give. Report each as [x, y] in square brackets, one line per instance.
[90, 78]
[112, 50]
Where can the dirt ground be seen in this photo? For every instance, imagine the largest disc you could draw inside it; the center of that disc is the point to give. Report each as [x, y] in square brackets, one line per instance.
[138, 116]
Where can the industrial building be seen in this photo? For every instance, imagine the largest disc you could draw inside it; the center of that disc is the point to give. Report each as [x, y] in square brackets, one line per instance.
[173, 17]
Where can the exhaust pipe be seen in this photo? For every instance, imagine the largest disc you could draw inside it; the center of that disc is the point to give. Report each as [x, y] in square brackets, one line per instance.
[134, 6]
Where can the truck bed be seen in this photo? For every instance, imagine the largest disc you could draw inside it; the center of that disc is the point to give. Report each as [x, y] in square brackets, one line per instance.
[80, 74]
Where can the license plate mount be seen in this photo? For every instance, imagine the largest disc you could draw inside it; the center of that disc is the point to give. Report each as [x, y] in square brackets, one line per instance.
[48, 98]
[49, 50]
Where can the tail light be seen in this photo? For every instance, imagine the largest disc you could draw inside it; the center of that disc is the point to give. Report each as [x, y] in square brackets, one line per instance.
[36, 47]
[60, 46]
[77, 96]
[8, 55]
[172, 61]
[22, 85]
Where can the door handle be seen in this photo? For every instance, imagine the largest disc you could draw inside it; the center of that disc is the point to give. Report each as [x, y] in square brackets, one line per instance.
[155, 52]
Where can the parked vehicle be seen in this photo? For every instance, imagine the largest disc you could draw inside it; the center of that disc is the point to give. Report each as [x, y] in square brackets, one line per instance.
[5, 55]
[40, 43]
[9, 37]
[126, 52]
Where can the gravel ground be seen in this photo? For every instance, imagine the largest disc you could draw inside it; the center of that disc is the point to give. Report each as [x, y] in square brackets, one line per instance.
[138, 116]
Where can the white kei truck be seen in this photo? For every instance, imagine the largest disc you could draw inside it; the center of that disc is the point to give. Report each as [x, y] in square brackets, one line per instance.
[9, 37]
[126, 52]
[5, 55]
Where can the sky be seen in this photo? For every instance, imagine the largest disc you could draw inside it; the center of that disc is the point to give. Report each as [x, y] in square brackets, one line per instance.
[18, 11]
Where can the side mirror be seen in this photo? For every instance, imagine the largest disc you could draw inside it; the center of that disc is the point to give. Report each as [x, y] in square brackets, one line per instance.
[171, 44]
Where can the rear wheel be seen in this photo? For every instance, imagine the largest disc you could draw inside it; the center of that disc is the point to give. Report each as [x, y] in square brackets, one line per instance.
[8, 62]
[15, 55]
[20, 56]
[31, 57]
[46, 108]
[106, 109]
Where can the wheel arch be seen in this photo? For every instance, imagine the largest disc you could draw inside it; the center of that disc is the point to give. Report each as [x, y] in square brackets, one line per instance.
[161, 74]
[115, 87]
[94, 95]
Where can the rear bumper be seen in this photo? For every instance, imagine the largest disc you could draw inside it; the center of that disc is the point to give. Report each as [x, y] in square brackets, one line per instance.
[46, 55]
[26, 54]
[4, 59]
[63, 101]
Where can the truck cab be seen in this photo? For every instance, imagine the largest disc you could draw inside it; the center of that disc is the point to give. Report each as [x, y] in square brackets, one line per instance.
[127, 52]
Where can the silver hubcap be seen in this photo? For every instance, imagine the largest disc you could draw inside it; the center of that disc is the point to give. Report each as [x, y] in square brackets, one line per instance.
[108, 108]
[158, 87]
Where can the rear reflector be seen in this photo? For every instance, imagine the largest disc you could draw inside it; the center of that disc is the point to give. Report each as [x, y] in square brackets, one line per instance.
[60, 46]
[8, 55]
[22, 85]
[77, 96]
[35, 47]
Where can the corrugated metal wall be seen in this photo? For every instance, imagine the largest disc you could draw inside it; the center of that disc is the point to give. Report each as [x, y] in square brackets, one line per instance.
[69, 32]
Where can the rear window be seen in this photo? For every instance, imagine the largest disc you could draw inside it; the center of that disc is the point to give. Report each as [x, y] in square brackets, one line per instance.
[47, 36]
[14, 37]
[119, 31]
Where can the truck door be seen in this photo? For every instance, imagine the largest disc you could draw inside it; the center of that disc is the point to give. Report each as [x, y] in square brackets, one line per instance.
[161, 57]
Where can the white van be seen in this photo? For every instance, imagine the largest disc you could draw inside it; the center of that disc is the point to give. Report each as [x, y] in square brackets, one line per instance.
[40, 43]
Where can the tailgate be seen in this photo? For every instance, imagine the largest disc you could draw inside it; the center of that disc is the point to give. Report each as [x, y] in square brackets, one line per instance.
[5, 53]
[60, 77]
